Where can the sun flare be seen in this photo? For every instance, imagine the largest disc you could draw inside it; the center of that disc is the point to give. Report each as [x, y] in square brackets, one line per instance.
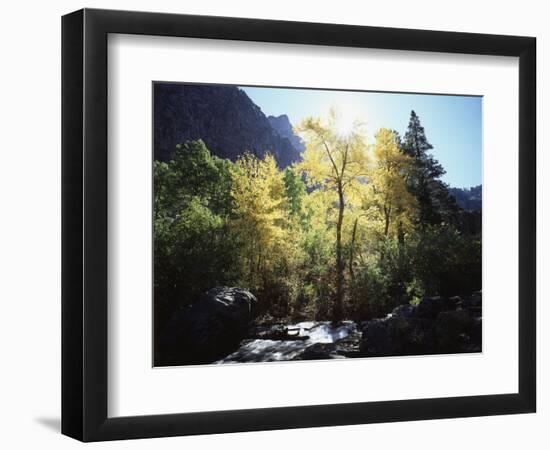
[349, 114]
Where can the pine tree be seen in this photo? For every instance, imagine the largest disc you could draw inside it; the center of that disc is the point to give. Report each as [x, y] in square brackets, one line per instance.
[424, 180]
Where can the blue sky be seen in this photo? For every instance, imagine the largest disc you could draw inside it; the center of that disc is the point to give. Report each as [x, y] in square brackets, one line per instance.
[453, 124]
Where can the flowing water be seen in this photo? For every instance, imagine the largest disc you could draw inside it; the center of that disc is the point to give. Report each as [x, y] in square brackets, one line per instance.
[308, 336]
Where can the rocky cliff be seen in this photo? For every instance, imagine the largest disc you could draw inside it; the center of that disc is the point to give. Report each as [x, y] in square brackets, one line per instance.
[283, 127]
[224, 117]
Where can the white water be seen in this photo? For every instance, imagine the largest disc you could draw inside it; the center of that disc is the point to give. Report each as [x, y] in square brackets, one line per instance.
[324, 332]
[280, 350]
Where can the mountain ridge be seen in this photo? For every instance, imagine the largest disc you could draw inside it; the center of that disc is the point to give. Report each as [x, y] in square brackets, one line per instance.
[224, 117]
[281, 124]
[469, 199]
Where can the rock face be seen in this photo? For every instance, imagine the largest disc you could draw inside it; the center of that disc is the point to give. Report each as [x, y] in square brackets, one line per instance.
[435, 325]
[209, 329]
[283, 127]
[224, 117]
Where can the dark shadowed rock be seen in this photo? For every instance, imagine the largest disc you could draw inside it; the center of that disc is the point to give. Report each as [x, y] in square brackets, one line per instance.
[384, 337]
[407, 310]
[376, 339]
[430, 307]
[224, 117]
[396, 335]
[209, 329]
[319, 351]
[472, 304]
[475, 333]
[451, 330]
[435, 325]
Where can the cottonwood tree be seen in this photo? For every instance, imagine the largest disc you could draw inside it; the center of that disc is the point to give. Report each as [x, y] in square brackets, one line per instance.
[261, 214]
[395, 205]
[337, 164]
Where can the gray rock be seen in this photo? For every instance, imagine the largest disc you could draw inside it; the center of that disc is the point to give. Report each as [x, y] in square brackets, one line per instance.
[407, 310]
[473, 304]
[384, 337]
[281, 124]
[436, 325]
[224, 117]
[451, 331]
[319, 351]
[209, 329]
[430, 307]
[475, 331]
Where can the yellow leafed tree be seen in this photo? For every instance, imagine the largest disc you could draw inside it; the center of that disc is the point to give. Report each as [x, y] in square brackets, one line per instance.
[261, 212]
[337, 164]
[393, 208]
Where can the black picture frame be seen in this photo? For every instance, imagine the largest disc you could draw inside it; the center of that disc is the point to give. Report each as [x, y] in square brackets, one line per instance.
[84, 224]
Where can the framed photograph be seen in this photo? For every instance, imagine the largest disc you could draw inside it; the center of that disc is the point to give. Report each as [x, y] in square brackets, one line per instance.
[273, 224]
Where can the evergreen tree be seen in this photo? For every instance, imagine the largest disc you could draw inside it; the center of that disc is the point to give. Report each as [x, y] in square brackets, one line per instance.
[424, 179]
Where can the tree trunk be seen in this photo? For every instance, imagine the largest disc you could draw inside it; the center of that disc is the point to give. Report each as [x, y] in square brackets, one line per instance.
[401, 239]
[352, 248]
[387, 212]
[337, 311]
[251, 259]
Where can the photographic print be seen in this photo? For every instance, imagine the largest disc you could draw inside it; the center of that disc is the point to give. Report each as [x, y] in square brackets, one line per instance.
[294, 224]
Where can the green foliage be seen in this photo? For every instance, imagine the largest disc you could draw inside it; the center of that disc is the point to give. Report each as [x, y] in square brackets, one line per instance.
[295, 192]
[448, 262]
[435, 261]
[192, 251]
[384, 281]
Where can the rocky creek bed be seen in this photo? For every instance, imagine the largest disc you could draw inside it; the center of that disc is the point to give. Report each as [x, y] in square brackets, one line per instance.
[220, 329]
[303, 340]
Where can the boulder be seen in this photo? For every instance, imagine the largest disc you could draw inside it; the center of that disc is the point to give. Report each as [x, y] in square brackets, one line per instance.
[452, 331]
[395, 336]
[209, 329]
[384, 337]
[319, 351]
[435, 325]
[348, 347]
[407, 311]
[473, 304]
[474, 332]
[430, 307]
